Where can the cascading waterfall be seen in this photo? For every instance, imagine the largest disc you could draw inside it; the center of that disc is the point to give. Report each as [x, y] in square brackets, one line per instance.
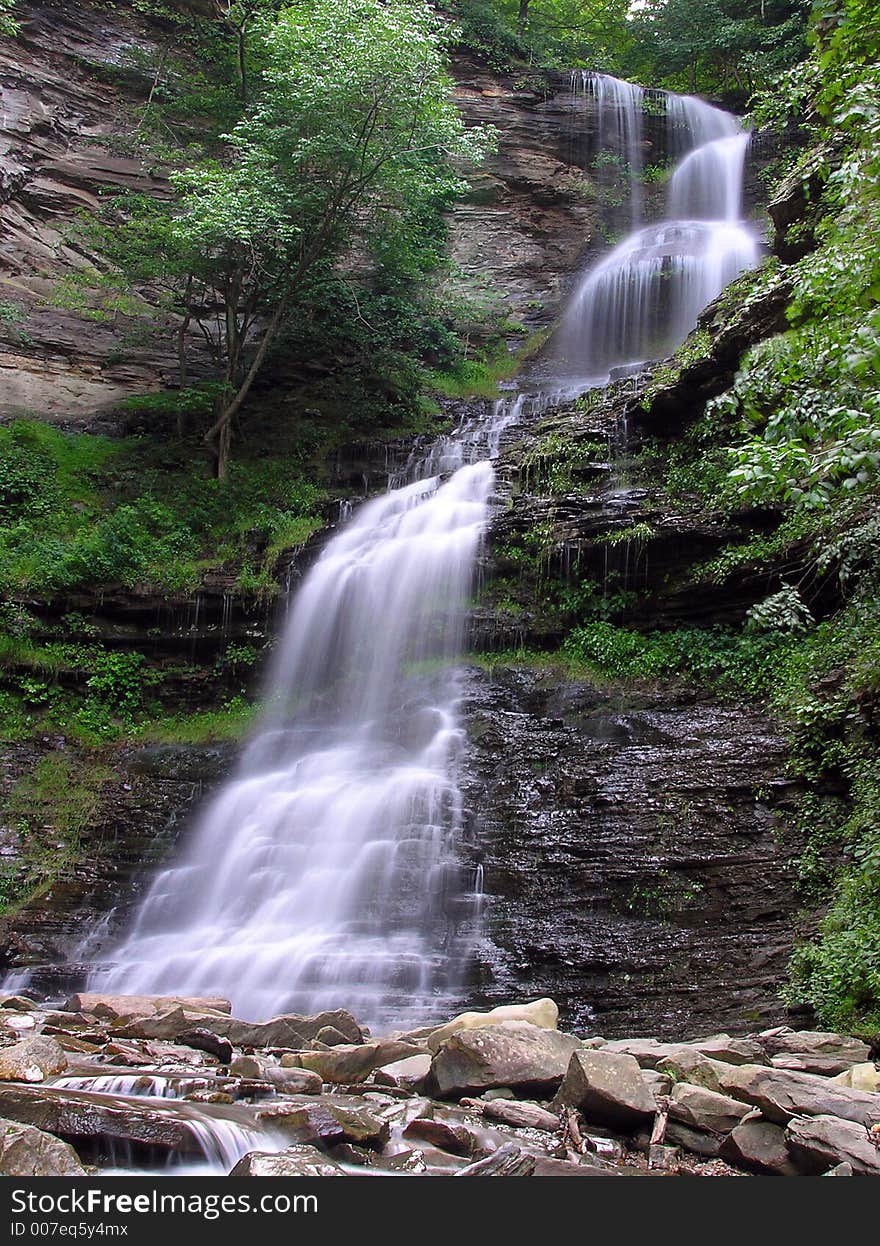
[329, 871]
[325, 874]
[619, 130]
[641, 300]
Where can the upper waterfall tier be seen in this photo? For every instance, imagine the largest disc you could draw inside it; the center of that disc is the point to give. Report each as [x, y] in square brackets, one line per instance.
[641, 300]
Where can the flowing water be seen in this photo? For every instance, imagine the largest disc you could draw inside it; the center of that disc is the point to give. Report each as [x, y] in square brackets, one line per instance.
[331, 870]
[641, 300]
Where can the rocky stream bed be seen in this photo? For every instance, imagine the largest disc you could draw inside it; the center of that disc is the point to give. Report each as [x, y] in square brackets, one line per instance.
[178, 1085]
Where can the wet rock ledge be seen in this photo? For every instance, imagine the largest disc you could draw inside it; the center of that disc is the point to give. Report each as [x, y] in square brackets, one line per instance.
[159, 1083]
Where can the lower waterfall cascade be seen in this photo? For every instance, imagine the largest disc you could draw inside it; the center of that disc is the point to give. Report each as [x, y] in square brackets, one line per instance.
[332, 869]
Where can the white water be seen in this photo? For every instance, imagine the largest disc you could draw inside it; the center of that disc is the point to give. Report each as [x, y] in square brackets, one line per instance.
[328, 872]
[641, 300]
[619, 113]
[325, 874]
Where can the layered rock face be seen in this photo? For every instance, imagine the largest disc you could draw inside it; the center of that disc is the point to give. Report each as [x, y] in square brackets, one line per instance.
[636, 859]
[70, 81]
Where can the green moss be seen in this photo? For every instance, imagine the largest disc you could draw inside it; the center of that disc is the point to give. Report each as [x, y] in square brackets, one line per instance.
[49, 810]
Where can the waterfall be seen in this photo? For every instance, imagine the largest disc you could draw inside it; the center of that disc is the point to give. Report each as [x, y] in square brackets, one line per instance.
[328, 871]
[619, 129]
[325, 873]
[641, 300]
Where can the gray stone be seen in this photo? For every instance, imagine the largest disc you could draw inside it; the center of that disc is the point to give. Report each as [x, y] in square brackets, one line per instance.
[351, 1064]
[409, 1073]
[648, 1052]
[758, 1146]
[825, 1141]
[201, 1039]
[515, 1054]
[456, 1139]
[519, 1114]
[698, 1141]
[781, 1094]
[685, 1064]
[784, 1040]
[32, 1060]
[705, 1109]
[330, 1036]
[326, 1123]
[508, 1161]
[731, 1050]
[29, 1152]
[294, 1161]
[810, 1062]
[607, 1087]
[73, 1114]
[118, 1007]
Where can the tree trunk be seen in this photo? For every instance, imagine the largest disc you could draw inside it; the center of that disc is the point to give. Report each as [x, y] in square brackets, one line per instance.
[222, 428]
[523, 20]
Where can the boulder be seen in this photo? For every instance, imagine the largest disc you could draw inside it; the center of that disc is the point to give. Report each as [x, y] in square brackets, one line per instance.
[351, 1064]
[73, 1114]
[758, 1146]
[326, 1124]
[124, 1007]
[730, 1050]
[823, 1142]
[542, 1013]
[860, 1077]
[206, 1040]
[784, 1040]
[508, 1161]
[288, 1031]
[18, 1003]
[292, 1030]
[648, 1052]
[409, 1073]
[781, 1094]
[29, 1152]
[455, 1139]
[32, 1060]
[294, 1161]
[519, 1114]
[659, 1084]
[808, 1062]
[330, 1036]
[291, 1080]
[686, 1064]
[705, 1109]
[607, 1086]
[513, 1054]
[698, 1141]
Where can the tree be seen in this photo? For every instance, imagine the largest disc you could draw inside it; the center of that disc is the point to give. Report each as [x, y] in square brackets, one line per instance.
[351, 132]
[718, 46]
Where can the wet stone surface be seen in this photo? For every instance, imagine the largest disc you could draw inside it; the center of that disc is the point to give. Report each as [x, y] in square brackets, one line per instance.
[637, 854]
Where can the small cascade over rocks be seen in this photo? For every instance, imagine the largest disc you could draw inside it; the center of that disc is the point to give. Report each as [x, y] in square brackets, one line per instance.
[641, 300]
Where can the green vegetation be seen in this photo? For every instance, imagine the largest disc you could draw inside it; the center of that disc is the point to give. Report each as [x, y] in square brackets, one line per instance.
[718, 47]
[8, 23]
[48, 810]
[335, 138]
[82, 511]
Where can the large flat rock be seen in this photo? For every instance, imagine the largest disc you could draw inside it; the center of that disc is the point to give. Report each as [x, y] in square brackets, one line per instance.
[515, 1054]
